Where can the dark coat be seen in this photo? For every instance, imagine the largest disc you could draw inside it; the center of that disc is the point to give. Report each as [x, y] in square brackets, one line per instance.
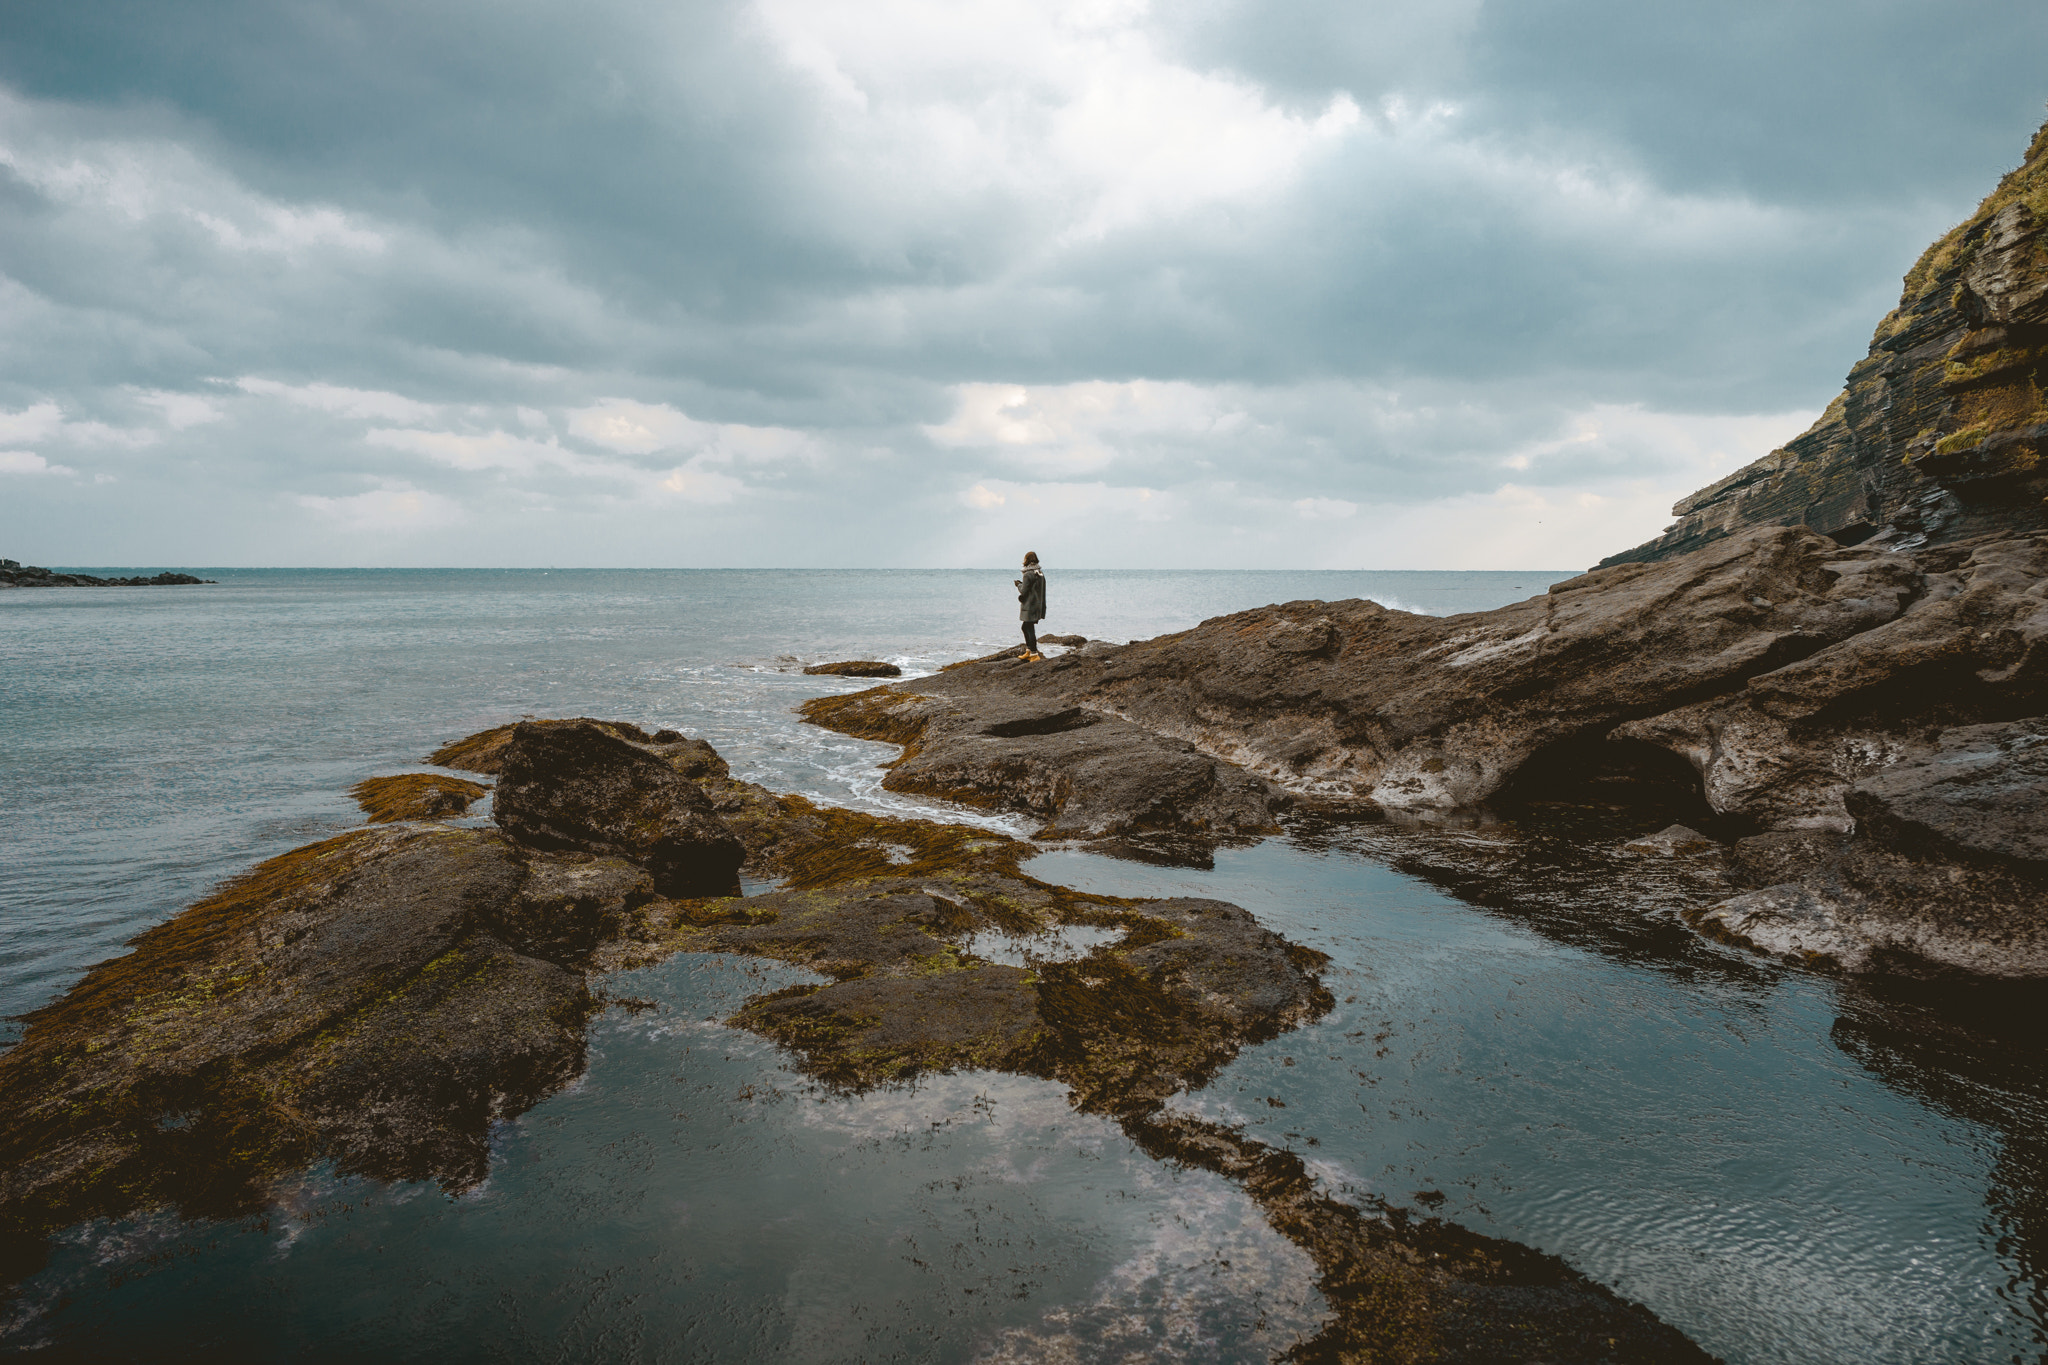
[1031, 595]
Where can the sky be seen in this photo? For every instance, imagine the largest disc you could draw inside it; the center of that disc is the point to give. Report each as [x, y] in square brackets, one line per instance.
[1288, 284]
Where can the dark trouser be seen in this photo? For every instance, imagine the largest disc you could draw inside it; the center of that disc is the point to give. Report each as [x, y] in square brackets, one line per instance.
[1031, 636]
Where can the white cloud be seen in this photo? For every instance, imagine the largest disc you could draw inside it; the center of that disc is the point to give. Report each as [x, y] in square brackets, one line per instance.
[482, 450]
[395, 507]
[1073, 107]
[1324, 509]
[643, 428]
[1080, 428]
[636, 428]
[1672, 448]
[143, 179]
[182, 410]
[693, 483]
[367, 404]
[45, 422]
[1038, 501]
[28, 462]
[32, 423]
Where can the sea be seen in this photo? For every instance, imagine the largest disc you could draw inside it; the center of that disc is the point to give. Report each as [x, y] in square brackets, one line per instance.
[1787, 1165]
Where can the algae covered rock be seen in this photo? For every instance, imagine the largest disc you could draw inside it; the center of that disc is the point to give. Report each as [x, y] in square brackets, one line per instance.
[378, 1000]
[415, 796]
[570, 903]
[581, 786]
[345, 1001]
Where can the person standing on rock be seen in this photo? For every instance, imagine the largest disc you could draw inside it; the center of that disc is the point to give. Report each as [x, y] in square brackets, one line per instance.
[1031, 601]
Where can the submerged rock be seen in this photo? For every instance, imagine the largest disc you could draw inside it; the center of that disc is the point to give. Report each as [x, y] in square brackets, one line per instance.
[857, 668]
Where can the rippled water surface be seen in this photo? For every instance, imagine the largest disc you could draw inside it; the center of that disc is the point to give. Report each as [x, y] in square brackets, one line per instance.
[1787, 1166]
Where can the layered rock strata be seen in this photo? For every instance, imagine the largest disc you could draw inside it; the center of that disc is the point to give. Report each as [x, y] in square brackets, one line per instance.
[1752, 689]
[1939, 431]
[377, 999]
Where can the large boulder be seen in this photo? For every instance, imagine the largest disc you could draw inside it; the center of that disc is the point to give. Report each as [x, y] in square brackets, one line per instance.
[582, 786]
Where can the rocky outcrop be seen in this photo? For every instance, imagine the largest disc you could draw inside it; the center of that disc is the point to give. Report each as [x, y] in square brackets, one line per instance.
[583, 786]
[1939, 432]
[14, 574]
[346, 1000]
[969, 737]
[484, 751]
[1758, 686]
[857, 668]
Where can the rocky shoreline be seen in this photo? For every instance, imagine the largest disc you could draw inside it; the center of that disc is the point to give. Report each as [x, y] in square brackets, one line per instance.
[1848, 742]
[378, 999]
[14, 574]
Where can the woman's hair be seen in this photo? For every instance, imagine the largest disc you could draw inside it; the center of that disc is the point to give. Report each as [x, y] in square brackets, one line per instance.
[1031, 556]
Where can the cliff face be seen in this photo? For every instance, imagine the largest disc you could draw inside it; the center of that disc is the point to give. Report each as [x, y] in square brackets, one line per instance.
[1939, 432]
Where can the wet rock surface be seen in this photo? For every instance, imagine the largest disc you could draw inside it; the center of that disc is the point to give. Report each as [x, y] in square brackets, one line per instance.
[345, 1001]
[1770, 683]
[1084, 774]
[378, 999]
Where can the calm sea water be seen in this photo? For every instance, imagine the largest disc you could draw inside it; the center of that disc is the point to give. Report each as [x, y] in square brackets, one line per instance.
[1789, 1167]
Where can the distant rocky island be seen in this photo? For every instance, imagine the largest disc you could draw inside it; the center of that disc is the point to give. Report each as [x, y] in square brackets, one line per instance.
[14, 574]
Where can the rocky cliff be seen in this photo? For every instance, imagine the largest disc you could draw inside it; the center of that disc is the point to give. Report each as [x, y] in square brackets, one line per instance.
[1938, 434]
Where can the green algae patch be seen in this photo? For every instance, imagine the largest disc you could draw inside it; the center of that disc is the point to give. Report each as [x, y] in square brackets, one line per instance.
[415, 796]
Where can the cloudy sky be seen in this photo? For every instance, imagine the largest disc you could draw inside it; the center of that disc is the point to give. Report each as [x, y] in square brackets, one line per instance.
[1298, 283]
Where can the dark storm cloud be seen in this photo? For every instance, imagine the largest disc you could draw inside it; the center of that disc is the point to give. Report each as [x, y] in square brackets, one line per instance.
[1387, 253]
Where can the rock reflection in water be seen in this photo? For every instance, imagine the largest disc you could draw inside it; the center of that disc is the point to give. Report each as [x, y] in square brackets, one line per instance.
[693, 1199]
[1066, 943]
